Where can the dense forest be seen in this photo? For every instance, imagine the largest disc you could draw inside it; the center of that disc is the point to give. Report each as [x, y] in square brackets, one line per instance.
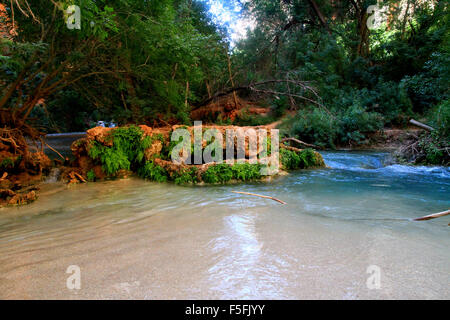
[315, 65]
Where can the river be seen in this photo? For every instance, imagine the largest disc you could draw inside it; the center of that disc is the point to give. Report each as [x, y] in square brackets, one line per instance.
[133, 239]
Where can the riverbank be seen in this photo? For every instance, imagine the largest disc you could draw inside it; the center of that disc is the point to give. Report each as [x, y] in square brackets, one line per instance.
[73, 164]
[111, 153]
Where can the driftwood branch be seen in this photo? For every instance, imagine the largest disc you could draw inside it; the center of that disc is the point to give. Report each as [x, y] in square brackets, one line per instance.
[300, 142]
[433, 216]
[80, 177]
[421, 125]
[258, 195]
[290, 148]
[54, 150]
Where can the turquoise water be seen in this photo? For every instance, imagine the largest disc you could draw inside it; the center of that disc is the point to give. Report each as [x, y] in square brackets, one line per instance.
[140, 240]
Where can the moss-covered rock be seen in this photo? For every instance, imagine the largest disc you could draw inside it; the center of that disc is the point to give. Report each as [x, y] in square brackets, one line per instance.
[146, 151]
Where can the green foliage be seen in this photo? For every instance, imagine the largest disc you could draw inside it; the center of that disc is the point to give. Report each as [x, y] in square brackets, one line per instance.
[7, 163]
[151, 60]
[355, 123]
[131, 61]
[153, 172]
[128, 149]
[289, 159]
[219, 173]
[350, 126]
[406, 69]
[166, 152]
[442, 119]
[10, 164]
[279, 106]
[112, 160]
[68, 111]
[435, 148]
[222, 173]
[91, 176]
[317, 126]
[186, 176]
[246, 171]
[307, 158]
[430, 86]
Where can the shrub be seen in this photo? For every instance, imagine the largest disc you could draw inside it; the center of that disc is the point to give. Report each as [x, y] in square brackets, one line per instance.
[442, 119]
[289, 159]
[246, 171]
[128, 149]
[153, 172]
[317, 127]
[91, 176]
[392, 101]
[348, 126]
[222, 173]
[307, 158]
[185, 176]
[431, 85]
[279, 106]
[355, 123]
[219, 173]
[435, 149]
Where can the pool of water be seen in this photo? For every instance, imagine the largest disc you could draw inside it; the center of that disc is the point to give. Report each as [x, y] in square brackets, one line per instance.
[133, 239]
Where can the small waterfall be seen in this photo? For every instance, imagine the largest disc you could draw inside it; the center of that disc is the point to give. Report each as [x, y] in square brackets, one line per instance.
[53, 176]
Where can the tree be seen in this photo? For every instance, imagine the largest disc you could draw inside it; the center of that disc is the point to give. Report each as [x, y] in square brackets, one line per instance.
[45, 57]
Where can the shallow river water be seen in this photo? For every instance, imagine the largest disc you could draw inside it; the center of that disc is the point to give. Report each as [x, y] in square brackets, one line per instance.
[133, 239]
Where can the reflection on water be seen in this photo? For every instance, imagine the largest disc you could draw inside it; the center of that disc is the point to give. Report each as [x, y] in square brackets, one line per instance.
[135, 239]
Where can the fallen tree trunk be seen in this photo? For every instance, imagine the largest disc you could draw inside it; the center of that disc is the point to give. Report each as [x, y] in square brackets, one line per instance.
[421, 125]
[258, 195]
[290, 148]
[301, 142]
[433, 216]
[252, 87]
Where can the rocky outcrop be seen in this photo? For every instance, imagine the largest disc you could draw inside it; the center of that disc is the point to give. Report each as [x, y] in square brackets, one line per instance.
[98, 154]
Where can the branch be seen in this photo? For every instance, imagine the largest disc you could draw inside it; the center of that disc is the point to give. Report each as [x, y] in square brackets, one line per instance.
[258, 195]
[290, 148]
[252, 87]
[319, 14]
[433, 216]
[300, 142]
[421, 125]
